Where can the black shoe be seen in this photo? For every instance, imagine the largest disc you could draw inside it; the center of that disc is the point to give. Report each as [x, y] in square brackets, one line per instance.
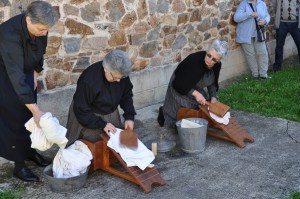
[160, 118]
[39, 160]
[26, 174]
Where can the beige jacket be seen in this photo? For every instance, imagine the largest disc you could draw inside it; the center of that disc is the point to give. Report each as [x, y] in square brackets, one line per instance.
[277, 9]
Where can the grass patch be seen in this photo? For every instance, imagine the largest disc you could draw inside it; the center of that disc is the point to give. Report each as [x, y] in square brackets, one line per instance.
[276, 97]
[8, 194]
[294, 195]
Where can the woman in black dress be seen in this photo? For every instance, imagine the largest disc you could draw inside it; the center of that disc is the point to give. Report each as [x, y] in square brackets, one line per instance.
[197, 71]
[23, 41]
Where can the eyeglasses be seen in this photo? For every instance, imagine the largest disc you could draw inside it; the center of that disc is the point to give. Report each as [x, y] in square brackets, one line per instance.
[116, 78]
[211, 57]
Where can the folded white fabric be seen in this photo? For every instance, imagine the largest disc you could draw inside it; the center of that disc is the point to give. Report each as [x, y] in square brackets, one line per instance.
[222, 120]
[141, 156]
[189, 124]
[53, 130]
[72, 161]
[50, 132]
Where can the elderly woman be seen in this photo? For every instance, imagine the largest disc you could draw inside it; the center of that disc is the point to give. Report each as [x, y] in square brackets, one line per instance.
[101, 88]
[186, 88]
[248, 13]
[23, 41]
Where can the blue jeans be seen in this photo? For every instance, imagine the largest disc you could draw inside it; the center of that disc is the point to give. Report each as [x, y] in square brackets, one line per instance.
[281, 33]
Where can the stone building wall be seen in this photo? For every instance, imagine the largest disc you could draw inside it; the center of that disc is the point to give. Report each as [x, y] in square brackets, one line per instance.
[155, 33]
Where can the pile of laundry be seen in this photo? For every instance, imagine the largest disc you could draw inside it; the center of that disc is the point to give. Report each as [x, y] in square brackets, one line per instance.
[68, 162]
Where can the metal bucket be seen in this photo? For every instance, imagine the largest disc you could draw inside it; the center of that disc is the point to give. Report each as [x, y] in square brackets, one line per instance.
[64, 185]
[193, 139]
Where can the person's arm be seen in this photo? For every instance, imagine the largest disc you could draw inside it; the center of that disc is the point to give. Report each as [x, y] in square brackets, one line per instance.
[274, 5]
[126, 102]
[83, 98]
[266, 18]
[36, 112]
[12, 54]
[241, 14]
[199, 97]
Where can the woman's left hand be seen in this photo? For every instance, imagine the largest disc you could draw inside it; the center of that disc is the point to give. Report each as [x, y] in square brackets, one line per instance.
[213, 100]
[35, 76]
[261, 22]
[129, 125]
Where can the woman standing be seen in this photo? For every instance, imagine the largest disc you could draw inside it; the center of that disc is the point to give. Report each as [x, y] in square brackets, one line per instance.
[248, 13]
[186, 87]
[23, 41]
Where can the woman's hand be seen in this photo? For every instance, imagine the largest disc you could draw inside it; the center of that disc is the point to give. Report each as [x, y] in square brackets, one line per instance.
[199, 97]
[213, 100]
[110, 128]
[36, 112]
[35, 76]
[261, 22]
[129, 125]
[254, 14]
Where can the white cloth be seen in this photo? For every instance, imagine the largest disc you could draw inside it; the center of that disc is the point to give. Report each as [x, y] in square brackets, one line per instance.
[72, 161]
[189, 124]
[222, 120]
[50, 132]
[140, 157]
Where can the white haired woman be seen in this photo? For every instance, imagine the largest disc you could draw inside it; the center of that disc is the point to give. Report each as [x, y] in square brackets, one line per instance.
[101, 88]
[186, 87]
[23, 41]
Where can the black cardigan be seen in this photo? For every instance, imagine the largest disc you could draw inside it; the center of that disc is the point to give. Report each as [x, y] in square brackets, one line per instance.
[189, 72]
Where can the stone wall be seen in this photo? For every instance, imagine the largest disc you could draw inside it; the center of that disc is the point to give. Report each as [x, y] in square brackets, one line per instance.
[155, 33]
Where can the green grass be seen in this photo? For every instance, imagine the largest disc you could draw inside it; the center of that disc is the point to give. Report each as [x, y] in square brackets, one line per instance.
[8, 194]
[276, 97]
[294, 195]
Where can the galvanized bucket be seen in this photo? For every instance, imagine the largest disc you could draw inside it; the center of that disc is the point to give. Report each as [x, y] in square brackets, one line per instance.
[193, 139]
[64, 185]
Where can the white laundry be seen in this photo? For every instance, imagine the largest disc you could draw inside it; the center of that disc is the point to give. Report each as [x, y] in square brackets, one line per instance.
[189, 124]
[140, 157]
[72, 161]
[53, 130]
[222, 120]
[50, 132]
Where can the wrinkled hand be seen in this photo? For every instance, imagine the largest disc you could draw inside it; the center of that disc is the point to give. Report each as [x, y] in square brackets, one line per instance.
[110, 128]
[36, 112]
[129, 125]
[37, 116]
[213, 100]
[254, 14]
[261, 22]
[199, 97]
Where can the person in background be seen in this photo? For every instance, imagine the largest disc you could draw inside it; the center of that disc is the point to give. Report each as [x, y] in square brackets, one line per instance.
[101, 88]
[23, 41]
[246, 34]
[197, 71]
[287, 20]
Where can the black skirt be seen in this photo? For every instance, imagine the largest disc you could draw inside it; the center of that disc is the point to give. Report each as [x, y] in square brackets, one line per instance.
[15, 143]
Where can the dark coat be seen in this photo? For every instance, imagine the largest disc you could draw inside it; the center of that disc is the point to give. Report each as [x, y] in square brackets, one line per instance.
[19, 57]
[190, 71]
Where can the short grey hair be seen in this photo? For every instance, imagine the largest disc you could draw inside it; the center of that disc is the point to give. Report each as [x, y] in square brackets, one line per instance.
[41, 12]
[118, 60]
[221, 47]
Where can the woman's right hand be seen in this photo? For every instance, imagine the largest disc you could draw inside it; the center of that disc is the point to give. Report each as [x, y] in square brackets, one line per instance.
[36, 112]
[199, 97]
[110, 128]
